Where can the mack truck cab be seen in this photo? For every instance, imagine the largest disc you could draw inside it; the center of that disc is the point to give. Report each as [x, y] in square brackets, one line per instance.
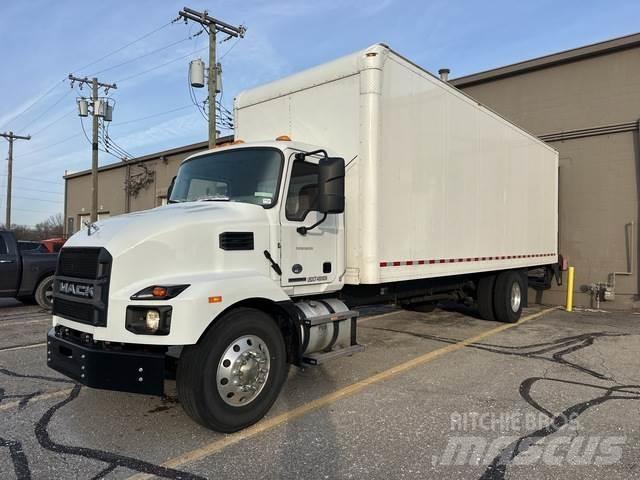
[227, 281]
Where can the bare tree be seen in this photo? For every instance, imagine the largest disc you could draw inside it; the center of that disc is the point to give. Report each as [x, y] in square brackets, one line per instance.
[51, 227]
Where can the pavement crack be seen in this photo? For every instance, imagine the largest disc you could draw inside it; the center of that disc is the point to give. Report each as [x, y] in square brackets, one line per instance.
[111, 459]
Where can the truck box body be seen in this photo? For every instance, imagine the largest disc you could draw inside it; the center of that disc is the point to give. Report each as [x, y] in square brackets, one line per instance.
[436, 185]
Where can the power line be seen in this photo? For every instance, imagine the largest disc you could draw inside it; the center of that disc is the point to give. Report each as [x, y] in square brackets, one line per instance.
[230, 48]
[37, 150]
[109, 143]
[31, 179]
[194, 100]
[51, 107]
[36, 180]
[38, 199]
[56, 84]
[33, 211]
[152, 52]
[65, 114]
[41, 191]
[146, 35]
[115, 125]
[28, 107]
[161, 65]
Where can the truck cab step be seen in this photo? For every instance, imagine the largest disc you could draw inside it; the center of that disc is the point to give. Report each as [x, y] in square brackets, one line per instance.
[319, 358]
[331, 317]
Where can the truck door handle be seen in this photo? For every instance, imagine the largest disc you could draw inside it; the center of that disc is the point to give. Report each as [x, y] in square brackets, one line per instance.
[6, 261]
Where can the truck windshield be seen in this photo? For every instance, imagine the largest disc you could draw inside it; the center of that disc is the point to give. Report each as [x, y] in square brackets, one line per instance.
[248, 175]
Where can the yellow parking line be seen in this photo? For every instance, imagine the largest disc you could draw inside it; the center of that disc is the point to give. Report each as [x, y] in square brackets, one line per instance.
[264, 425]
[18, 322]
[44, 396]
[376, 317]
[22, 347]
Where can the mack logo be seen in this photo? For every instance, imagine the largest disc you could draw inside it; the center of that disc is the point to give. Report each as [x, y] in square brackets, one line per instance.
[76, 289]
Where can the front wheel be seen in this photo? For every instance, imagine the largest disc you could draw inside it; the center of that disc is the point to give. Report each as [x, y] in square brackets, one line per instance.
[232, 377]
[44, 293]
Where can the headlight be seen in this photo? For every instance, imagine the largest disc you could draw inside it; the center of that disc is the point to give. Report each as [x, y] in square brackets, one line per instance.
[149, 320]
[153, 320]
[159, 292]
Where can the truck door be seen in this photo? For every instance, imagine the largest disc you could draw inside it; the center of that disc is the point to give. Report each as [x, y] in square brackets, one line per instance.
[9, 269]
[310, 258]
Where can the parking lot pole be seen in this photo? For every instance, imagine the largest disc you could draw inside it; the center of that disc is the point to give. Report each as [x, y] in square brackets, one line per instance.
[570, 289]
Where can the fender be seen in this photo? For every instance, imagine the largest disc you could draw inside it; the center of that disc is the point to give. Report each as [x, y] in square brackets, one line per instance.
[194, 310]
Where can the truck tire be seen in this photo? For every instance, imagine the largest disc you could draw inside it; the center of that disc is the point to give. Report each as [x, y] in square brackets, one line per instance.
[485, 293]
[44, 293]
[508, 298]
[230, 379]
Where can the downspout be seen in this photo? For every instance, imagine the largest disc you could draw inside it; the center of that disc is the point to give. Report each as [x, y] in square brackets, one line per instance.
[610, 289]
[629, 272]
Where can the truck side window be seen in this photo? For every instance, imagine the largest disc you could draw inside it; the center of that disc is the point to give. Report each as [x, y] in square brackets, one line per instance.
[3, 247]
[302, 196]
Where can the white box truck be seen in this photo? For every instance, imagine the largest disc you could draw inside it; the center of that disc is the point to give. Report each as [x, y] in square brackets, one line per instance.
[364, 180]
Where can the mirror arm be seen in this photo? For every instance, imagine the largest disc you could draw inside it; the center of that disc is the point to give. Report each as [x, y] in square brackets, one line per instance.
[303, 155]
[304, 230]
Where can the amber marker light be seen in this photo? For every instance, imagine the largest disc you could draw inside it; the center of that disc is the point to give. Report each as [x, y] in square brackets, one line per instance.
[159, 292]
[215, 299]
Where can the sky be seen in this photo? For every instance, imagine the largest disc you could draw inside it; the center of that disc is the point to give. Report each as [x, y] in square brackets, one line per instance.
[41, 42]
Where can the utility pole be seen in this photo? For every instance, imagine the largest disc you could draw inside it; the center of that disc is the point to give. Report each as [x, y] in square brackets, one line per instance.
[11, 137]
[100, 108]
[212, 26]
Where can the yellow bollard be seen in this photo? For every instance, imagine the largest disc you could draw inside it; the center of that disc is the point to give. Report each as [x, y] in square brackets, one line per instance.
[570, 274]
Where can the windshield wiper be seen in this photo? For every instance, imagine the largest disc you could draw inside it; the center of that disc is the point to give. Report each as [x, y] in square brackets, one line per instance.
[213, 198]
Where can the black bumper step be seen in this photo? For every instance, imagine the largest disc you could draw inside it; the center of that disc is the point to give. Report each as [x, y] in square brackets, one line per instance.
[123, 371]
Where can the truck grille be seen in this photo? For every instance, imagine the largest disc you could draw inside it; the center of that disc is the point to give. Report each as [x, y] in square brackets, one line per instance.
[81, 286]
[80, 312]
[79, 262]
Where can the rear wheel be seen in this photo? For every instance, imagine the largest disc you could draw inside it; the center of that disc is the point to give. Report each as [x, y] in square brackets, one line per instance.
[508, 296]
[44, 293]
[484, 294]
[230, 379]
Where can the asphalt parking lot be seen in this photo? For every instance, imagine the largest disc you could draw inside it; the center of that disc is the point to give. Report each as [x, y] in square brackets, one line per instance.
[435, 395]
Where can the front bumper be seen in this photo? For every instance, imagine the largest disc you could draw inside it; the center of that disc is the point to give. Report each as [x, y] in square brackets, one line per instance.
[132, 371]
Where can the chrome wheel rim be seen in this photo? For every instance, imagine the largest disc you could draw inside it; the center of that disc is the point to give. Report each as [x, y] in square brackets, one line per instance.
[243, 370]
[516, 296]
[48, 294]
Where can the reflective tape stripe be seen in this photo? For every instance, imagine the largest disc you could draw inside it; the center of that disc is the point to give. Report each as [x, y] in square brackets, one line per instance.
[408, 263]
